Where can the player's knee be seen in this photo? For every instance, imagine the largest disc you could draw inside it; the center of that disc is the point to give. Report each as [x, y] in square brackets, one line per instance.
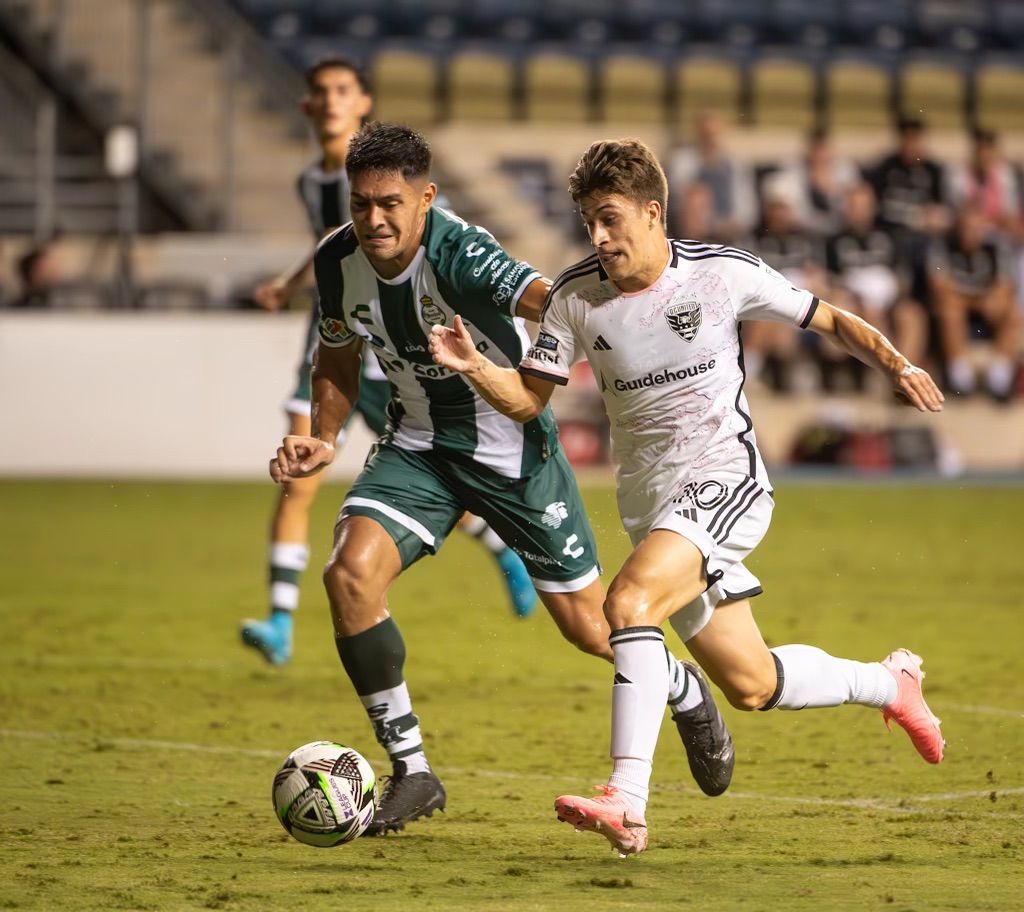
[627, 605]
[351, 583]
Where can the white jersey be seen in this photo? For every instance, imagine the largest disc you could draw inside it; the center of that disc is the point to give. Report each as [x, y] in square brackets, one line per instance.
[669, 363]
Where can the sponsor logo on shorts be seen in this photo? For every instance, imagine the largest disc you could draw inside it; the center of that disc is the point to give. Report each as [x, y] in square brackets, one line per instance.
[542, 559]
[663, 377]
[554, 513]
[684, 319]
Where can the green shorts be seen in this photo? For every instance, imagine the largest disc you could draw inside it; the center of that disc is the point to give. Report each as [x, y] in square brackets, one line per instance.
[418, 497]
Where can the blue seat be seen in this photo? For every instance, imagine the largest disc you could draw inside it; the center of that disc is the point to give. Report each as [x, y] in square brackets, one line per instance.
[732, 23]
[954, 24]
[884, 24]
[810, 23]
[1008, 22]
[656, 22]
[511, 21]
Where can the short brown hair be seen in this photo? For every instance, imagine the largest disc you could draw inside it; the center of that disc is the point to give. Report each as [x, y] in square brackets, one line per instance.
[625, 167]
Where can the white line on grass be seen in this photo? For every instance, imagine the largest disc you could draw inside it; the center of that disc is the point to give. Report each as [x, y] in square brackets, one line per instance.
[901, 805]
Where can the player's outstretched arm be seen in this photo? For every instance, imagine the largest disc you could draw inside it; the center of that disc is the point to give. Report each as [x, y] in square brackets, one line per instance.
[911, 385]
[521, 398]
[335, 390]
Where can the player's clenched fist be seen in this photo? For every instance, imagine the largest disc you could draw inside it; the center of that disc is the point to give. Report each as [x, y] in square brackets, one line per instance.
[299, 457]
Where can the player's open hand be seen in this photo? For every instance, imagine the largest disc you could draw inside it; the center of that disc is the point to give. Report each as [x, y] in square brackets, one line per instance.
[914, 386]
[453, 348]
[300, 457]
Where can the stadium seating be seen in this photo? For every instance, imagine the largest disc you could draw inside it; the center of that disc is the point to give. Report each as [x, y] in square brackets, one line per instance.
[934, 89]
[632, 88]
[406, 85]
[806, 23]
[707, 81]
[857, 92]
[556, 86]
[998, 91]
[601, 59]
[783, 92]
[481, 85]
[882, 24]
[953, 24]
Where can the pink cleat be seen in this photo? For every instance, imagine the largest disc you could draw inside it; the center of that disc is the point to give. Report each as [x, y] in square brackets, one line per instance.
[610, 815]
[909, 709]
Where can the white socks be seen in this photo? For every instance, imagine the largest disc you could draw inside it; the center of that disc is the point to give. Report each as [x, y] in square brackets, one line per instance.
[684, 689]
[396, 727]
[478, 528]
[287, 561]
[814, 679]
[638, 694]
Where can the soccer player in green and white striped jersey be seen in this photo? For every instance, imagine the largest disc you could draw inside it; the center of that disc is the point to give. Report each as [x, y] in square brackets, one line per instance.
[402, 267]
[338, 99]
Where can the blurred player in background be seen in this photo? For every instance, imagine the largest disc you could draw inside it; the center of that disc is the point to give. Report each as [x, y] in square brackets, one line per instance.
[400, 268]
[337, 101]
[659, 322]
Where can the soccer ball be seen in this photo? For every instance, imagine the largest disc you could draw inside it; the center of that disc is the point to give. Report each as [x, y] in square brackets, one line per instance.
[325, 793]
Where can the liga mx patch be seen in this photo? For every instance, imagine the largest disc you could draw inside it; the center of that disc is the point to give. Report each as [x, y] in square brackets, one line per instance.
[334, 330]
[684, 319]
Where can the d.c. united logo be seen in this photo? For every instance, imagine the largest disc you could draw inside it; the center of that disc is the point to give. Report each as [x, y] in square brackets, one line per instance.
[684, 319]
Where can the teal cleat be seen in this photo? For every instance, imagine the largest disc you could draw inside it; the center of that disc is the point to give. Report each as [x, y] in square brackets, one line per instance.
[272, 638]
[517, 579]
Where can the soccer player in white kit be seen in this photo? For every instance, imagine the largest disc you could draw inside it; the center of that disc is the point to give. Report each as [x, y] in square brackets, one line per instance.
[659, 321]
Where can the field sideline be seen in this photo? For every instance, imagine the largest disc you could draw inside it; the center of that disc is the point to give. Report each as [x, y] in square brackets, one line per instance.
[139, 739]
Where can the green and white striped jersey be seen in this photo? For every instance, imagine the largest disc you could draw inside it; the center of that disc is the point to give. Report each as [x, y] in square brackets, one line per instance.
[325, 196]
[458, 269]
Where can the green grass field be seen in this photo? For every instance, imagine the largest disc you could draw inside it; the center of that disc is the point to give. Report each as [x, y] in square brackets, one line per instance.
[138, 739]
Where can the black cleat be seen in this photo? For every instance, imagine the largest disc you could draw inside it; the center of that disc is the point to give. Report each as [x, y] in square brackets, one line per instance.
[407, 797]
[707, 740]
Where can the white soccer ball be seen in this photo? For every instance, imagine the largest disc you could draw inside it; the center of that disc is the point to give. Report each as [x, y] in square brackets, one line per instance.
[325, 793]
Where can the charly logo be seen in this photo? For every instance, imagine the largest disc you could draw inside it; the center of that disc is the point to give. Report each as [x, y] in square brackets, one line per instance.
[432, 314]
[684, 319]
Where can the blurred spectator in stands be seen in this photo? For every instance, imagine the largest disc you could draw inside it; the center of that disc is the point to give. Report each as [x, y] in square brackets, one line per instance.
[770, 349]
[970, 279]
[694, 214]
[988, 181]
[38, 272]
[864, 275]
[910, 188]
[731, 182]
[821, 179]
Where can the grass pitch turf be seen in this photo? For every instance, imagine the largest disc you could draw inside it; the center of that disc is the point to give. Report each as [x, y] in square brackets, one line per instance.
[139, 739]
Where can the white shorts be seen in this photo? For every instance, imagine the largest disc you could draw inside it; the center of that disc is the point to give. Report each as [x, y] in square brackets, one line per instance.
[726, 516]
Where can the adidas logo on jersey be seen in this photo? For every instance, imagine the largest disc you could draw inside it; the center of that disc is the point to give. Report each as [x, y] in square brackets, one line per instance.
[600, 345]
